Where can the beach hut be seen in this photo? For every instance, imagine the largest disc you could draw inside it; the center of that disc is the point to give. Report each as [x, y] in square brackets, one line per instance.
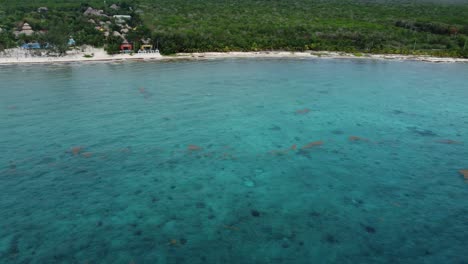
[26, 29]
[71, 42]
[146, 47]
[126, 47]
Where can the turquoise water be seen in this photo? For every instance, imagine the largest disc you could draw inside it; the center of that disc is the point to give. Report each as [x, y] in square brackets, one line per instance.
[234, 161]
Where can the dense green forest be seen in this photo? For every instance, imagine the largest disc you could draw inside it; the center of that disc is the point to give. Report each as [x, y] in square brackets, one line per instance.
[406, 27]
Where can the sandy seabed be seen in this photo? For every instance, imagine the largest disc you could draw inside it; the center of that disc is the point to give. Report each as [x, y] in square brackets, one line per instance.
[245, 161]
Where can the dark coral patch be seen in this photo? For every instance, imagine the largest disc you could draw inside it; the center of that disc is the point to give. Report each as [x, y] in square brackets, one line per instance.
[369, 229]
[255, 213]
[422, 132]
[330, 239]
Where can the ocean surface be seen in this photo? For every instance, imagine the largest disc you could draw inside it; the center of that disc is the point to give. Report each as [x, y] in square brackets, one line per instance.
[234, 161]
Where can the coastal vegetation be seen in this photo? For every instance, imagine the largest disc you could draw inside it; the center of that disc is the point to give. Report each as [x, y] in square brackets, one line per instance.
[356, 26]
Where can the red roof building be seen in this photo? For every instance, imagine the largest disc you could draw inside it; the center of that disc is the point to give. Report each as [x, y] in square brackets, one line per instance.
[126, 47]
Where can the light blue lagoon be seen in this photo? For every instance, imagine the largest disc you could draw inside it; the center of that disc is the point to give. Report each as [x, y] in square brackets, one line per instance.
[234, 161]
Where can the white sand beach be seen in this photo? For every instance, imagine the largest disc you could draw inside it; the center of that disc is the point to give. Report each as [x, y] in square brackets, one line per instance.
[19, 56]
[314, 54]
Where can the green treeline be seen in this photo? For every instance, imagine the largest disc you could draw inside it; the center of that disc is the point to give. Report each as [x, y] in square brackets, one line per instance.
[360, 26]
[351, 26]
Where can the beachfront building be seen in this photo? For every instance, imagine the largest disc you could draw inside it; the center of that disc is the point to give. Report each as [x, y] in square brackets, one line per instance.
[147, 48]
[71, 42]
[126, 47]
[31, 46]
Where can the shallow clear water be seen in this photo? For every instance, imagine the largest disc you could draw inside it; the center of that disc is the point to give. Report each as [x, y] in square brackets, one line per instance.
[234, 161]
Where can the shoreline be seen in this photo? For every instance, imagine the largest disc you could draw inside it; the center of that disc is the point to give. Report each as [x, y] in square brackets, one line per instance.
[317, 54]
[101, 56]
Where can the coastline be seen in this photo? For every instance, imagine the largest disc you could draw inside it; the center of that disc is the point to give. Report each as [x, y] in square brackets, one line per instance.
[317, 54]
[99, 55]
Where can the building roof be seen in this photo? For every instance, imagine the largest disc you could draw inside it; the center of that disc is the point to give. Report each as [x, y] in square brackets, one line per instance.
[94, 12]
[33, 45]
[26, 29]
[123, 16]
[71, 42]
[26, 26]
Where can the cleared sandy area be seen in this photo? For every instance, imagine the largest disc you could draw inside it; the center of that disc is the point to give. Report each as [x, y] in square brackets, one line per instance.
[18, 56]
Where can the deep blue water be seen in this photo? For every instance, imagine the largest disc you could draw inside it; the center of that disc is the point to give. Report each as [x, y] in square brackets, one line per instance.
[234, 161]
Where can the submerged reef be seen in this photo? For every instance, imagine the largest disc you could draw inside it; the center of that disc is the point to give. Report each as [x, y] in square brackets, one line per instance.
[302, 111]
[76, 150]
[449, 142]
[422, 132]
[464, 173]
[194, 148]
[313, 144]
[356, 138]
